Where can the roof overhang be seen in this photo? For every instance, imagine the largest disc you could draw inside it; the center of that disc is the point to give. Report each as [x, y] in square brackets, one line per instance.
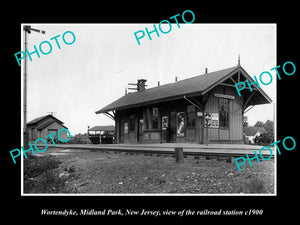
[181, 96]
[257, 97]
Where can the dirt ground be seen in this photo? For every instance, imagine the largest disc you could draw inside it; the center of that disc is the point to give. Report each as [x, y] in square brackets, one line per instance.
[84, 171]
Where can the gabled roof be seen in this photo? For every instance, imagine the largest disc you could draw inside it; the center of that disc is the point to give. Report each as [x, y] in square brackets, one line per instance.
[48, 123]
[36, 120]
[195, 85]
[39, 119]
[102, 128]
[251, 131]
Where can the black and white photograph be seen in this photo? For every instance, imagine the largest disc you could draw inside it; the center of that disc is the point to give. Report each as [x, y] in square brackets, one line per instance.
[175, 114]
[172, 115]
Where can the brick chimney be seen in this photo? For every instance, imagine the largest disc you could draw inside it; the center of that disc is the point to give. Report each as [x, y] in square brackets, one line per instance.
[141, 85]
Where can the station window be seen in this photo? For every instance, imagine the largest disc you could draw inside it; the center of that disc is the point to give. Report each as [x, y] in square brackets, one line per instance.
[191, 116]
[191, 119]
[223, 113]
[155, 118]
[151, 118]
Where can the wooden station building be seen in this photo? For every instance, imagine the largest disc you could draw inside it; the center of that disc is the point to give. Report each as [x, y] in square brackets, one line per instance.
[176, 112]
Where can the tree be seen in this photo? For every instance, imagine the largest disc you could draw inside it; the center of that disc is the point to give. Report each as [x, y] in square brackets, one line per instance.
[269, 126]
[259, 124]
[264, 139]
[267, 137]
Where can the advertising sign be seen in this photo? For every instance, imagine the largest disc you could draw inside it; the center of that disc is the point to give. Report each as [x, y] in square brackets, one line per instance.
[180, 124]
[213, 122]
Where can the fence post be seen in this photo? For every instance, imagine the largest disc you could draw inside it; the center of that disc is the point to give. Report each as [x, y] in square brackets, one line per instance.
[179, 157]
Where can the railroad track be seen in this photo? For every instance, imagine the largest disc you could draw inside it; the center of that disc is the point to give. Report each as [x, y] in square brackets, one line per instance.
[203, 152]
[186, 153]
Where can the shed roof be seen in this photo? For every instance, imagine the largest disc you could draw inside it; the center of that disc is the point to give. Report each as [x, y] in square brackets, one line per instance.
[48, 123]
[36, 120]
[195, 85]
[102, 128]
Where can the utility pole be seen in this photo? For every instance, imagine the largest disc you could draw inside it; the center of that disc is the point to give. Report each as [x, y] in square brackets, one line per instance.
[27, 30]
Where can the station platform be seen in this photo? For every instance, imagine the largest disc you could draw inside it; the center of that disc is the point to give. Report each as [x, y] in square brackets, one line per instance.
[234, 150]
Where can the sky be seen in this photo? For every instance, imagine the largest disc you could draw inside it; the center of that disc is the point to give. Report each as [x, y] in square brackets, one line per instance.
[83, 77]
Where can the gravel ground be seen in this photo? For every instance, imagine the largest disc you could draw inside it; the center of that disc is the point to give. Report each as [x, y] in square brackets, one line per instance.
[84, 171]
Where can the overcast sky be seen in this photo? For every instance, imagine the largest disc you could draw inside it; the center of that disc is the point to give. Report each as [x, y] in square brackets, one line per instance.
[79, 79]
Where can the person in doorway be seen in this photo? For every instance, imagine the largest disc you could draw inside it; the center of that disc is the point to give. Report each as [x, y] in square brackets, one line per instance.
[55, 139]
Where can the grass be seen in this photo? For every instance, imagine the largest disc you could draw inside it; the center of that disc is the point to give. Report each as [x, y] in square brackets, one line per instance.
[103, 172]
[40, 175]
[257, 185]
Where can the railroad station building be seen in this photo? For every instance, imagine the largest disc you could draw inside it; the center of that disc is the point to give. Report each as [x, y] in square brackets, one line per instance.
[195, 110]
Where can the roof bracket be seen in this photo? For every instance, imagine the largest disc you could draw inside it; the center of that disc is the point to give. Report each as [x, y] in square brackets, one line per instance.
[109, 115]
[249, 109]
[192, 102]
[248, 100]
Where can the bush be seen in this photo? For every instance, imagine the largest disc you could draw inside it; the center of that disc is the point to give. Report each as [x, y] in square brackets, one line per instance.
[264, 139]
[39, 176]
[34, 165]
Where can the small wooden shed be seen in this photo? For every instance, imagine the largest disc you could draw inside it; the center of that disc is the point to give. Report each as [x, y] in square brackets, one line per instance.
[42, 126]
